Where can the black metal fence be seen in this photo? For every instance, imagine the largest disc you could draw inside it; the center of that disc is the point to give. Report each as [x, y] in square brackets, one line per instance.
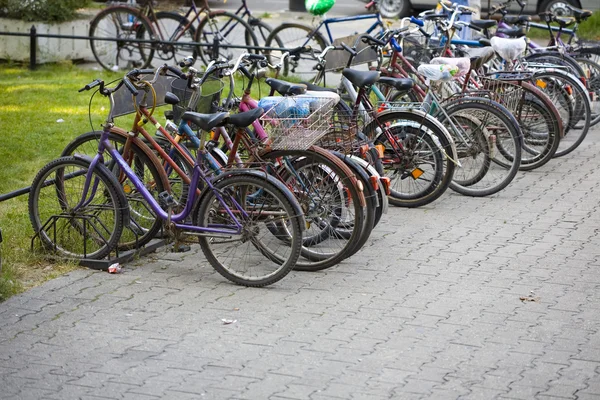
[33, 38]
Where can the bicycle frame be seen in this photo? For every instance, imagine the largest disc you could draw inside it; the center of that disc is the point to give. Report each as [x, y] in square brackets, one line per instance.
[197, 176]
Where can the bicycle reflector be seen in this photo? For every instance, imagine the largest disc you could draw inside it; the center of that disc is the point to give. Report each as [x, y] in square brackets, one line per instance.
[386, 182]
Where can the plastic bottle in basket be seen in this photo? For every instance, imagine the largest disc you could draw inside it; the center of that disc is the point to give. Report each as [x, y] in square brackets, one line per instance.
[268, 102]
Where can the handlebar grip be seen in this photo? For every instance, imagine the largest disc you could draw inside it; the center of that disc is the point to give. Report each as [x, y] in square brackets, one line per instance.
[476, 28]
[90, 85]
[177, 72]
[130, 86]
[186, 62]
[417, 21]
[300, 50]
[369, 38]
[255, 57]
[395, 44]
[348, 49]
[136, 72]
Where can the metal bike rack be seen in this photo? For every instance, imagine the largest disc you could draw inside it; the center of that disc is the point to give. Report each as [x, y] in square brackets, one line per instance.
[103, 264]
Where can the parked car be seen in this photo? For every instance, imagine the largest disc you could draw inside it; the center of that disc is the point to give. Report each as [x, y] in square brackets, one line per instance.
[395, 8]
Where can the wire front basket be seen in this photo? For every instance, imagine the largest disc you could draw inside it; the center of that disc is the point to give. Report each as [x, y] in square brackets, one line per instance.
[296, 123]
[206, 103]
[506, 92]
[124, 103]
[342, 134]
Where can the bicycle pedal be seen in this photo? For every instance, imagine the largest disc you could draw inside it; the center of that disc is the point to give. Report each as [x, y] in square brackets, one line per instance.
[166, 200]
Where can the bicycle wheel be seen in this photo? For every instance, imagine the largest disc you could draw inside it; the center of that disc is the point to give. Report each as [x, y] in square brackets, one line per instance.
[143, 225]
[256, 257]
[330, 197]
[346, 229]
[123, 24]
[173, 27]
[555, 58]
[419, 170]
[290, 36]
[90, 231]
[557, 85]
[223, 28]
[480, 127]
[592, 75]
[589, 52]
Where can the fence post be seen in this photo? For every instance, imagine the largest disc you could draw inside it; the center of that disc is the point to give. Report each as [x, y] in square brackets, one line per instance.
[32, 47]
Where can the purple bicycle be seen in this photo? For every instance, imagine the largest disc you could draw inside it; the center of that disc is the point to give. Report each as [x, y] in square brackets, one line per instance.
[249, 225]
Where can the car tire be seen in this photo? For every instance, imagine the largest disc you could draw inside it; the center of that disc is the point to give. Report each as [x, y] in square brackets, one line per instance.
[394, 8]
[558, 7]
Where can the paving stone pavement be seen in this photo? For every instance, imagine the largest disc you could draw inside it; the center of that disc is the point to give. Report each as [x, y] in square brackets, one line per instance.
[430, 308]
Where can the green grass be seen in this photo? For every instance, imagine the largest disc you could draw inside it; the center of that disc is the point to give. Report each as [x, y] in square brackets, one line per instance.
[32, 102]
[590, 29]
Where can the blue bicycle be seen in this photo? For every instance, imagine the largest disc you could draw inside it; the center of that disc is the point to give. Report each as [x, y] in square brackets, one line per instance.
[294, 35]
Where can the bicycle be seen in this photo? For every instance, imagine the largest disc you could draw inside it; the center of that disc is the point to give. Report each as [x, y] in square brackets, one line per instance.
[145, 33]
[295, 35]
[239, 211]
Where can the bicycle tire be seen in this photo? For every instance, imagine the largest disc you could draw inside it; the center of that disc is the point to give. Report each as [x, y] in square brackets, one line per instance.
[577, 127]
[121, 22]
[491, 126]
[206, 33]
[170, 26]
[290, 36]
[261, 31]
[557, 59]
[591, 53]
[209, 211]
[592, 74]
[143, 224]
[103, 214]
[413, 129]
[330, 196]
[370, 208]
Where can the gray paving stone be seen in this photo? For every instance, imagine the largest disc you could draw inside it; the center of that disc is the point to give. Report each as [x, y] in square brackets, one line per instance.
[430, 308]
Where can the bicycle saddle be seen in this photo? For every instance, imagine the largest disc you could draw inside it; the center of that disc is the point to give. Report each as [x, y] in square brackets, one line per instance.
[317, 88]
[244, 119]
[508, 49]
[484, 23]
[286, 88]
[517, 19]
[564, 21]
[480, 56]
[579, 14]
[402, 84]
[515, 32]
[361, 78]
[206, 122]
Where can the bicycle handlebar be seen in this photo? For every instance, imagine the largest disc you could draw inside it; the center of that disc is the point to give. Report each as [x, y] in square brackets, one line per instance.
[348, 49]
[93, 84]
